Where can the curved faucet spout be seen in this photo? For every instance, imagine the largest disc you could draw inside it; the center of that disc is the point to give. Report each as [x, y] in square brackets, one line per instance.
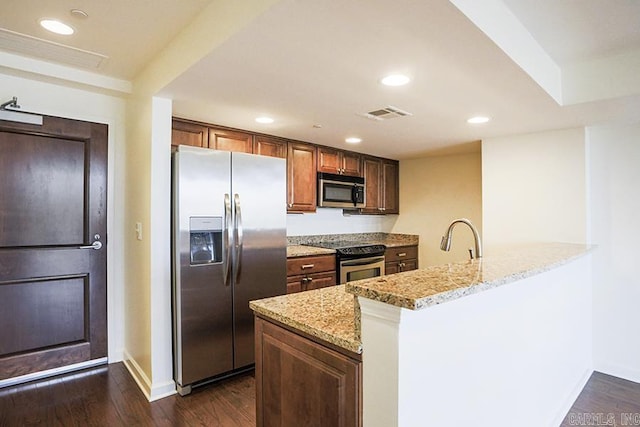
[445, 244]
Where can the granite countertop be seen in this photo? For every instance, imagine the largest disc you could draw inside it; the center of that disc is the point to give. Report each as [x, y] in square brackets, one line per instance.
[294, 251]
[426, 287]
[300, 246]
[326, 313]
[332, 314]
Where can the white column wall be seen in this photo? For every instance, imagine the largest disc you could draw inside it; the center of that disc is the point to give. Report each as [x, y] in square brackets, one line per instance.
[518, 352]
[615, 206]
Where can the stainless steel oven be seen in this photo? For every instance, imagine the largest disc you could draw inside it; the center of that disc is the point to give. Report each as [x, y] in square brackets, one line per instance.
[356, 260]
[361, 268]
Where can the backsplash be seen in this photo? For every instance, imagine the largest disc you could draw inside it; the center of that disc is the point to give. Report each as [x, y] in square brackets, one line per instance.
[332, 221]
[405, 239]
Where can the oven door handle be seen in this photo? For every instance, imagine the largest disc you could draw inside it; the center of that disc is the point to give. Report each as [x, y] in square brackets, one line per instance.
[362, 262]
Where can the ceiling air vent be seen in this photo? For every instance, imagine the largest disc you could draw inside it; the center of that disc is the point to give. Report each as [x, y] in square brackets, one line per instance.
[385, 113]
[43, 49]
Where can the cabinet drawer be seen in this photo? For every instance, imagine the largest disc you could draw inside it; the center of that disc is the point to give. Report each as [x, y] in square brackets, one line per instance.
[401, 253]
[308, 282]
[310, 264]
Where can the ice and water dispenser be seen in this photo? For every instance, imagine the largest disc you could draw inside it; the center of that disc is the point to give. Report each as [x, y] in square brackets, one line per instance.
[205, 239]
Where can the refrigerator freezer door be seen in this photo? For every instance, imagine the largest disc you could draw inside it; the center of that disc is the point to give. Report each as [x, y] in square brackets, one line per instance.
[260, 268]
[202, 302]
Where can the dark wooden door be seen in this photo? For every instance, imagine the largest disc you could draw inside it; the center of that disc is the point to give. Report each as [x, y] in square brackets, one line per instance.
[53, 200]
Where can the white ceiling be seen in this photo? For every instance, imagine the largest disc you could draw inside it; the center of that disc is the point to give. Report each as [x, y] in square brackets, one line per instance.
[309, 63]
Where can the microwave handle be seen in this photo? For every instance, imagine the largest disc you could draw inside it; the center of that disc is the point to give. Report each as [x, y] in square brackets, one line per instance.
[354, 194]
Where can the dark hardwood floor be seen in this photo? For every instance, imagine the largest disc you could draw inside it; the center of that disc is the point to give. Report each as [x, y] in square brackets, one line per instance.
[108, 396]
[606, 401]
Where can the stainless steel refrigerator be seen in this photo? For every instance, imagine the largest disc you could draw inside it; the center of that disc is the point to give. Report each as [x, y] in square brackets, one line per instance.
[229, 247]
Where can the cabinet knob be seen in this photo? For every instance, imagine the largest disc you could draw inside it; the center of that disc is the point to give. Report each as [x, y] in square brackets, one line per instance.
[402, 254]
[307, 266]
[289, 205]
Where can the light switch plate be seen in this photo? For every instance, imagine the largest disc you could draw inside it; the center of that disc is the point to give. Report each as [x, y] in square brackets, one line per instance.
[139, 230]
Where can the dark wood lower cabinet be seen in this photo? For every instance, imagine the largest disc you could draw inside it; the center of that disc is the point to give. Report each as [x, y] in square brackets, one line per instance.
[300, 382]
[310, 272]
[399, 259]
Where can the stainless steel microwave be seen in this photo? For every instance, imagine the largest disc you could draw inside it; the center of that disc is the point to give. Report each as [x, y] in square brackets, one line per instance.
[340, 191]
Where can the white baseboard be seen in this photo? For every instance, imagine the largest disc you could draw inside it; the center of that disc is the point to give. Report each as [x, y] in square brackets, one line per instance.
[151, 391]
[624, 372]
[570, 400]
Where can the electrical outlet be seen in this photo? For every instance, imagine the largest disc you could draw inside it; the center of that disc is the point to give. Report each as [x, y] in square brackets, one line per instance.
[139, 230]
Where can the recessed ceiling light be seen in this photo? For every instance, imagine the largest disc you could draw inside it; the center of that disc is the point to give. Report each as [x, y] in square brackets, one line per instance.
[353, 140]
[478, 120]
[264, 120]
[395, 80]
[56, 26]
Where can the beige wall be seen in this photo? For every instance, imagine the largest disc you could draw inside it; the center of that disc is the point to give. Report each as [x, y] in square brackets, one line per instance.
[534, 188]
[433, 192]
[147, 341]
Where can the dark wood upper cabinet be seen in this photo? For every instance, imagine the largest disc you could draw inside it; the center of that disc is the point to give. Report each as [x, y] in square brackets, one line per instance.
[339, 162]
[185, 133]
[372, 173]
[301, 177]
[268, 146]
[304, 160]
[391, 186]
[227, 140]
[382, 186]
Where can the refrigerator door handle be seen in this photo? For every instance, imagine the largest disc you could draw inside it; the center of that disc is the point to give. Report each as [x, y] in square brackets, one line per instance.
[226, 255]
[238, 236]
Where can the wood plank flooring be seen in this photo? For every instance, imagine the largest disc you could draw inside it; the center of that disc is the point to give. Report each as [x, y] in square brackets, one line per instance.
[108, 396]
[606, 401]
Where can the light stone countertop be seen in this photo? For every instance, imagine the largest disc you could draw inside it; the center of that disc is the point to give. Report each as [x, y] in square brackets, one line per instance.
[300, 246]
[433, 285]
[332, 314]
[294, 251]
[326, 313]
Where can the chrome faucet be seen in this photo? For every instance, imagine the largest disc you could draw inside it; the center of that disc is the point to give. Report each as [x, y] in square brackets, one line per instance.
[445, 244]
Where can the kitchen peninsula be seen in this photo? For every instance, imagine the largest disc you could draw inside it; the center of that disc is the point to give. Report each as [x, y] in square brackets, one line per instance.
[496, 341]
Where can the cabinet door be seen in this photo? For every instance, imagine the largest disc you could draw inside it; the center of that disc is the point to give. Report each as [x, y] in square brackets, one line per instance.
[410, 264]
[391, 187]
[294, 284]
[339, 162]
[320, 280]
[351, 164]
[185, 133]
[301, 177]
[267, 146]
[372, 174]
[391, 267]
[302, 383]
[329, 160]
[226, 140]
